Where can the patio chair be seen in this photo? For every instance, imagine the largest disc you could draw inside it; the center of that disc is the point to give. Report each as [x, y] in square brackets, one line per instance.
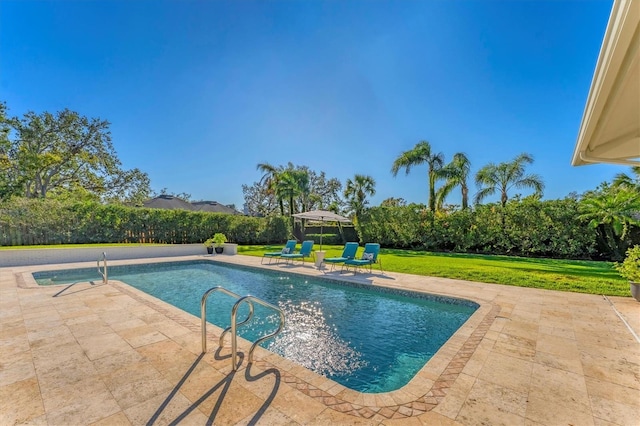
[288, 248]
[369, 258]
[349, 252]
[305, 251]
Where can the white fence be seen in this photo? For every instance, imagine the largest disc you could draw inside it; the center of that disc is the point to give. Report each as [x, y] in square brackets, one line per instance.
[42, 256]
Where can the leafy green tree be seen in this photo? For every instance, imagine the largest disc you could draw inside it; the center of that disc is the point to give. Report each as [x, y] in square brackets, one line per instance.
[422, 153]
[66, 152]
[393, 202]
[259, 200]
[456, 174]
[503, 177]
[356, 192]
[612, 210]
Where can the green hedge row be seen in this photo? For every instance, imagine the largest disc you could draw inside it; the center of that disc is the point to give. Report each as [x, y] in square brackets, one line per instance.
[526, 227]
[50, 221]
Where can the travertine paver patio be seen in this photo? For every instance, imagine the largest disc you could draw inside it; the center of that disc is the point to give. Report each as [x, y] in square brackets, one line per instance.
[112, 355]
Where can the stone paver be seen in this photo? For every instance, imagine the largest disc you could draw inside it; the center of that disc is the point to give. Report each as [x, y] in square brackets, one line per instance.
[111, 355]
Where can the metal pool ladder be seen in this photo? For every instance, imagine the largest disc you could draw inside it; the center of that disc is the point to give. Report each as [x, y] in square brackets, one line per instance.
[233, 328]
[103, 273]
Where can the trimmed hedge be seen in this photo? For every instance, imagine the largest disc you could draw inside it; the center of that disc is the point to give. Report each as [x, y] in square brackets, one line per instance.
[525, 227]
[50, 221]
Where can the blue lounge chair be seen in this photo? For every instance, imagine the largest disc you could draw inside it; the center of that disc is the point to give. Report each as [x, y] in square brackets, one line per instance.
[305, 251]
[349, 252]
[288, 248]
[369, 257]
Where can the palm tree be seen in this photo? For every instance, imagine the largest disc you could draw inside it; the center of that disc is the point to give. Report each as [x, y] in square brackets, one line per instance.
[456, 173]
[625, 181]
[271, 178]
[421, 154]
[612, 211]
[356, 192]
[502, 177]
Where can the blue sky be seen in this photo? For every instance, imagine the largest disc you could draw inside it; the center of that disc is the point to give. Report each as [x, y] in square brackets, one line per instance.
[199, 92]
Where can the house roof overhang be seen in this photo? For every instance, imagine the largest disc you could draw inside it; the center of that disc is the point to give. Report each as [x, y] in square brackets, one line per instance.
[610, 127]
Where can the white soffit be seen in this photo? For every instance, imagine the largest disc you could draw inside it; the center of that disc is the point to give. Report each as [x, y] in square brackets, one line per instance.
[610, 128]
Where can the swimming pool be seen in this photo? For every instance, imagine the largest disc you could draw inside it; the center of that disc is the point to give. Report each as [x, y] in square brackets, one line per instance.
[369, 339]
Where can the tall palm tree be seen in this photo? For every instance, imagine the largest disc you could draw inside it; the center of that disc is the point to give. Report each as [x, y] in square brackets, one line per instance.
[356, 192]
[271, 178]
[456, 173]
[502, 177]
[626, 181]
[422, 154]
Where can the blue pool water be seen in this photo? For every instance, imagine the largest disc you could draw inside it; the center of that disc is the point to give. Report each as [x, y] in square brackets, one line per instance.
[368, 339]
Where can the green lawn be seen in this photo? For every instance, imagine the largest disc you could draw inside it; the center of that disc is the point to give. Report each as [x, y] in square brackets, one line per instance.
[553, 274]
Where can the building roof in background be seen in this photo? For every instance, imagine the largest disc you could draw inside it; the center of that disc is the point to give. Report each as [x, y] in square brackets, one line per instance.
[213, 206]
[168, 202]
[171, 202]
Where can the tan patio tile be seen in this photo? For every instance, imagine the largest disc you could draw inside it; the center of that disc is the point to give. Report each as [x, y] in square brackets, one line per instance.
[432, 418]
[503, 399]
[103, 345]
[20, 402]
[270, 416]
[230, 403]
[450, 406]
[408, 421]
[162, 410]
[561, 362]
[613, 411]
[196, 380]
[611, 391]
[118, 419]
[82, 402]
[141, 336]
[298, 407]
[507, 371]
[16, 368]
[616, 369]
[67, 372]
[478, 413]
[545, 410]
[110, 363]
[88, 328]
[136, 383]
[264, 384]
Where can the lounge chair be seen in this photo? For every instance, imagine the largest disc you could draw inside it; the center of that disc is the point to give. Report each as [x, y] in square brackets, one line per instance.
[369, 257]
[288, 248]
[305, 251]
[349, 252]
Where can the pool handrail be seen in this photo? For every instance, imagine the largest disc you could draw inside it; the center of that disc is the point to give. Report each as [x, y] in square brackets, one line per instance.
[234, 336]
[105, 278]
[203, 315]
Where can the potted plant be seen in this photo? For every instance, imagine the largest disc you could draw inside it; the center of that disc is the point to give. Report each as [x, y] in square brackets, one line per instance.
[209, 245]
[218, 242]
[630, 269]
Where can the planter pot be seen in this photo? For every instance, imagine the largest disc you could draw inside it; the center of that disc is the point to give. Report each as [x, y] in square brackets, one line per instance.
[209, 250]
[219, 250]
[635, 290]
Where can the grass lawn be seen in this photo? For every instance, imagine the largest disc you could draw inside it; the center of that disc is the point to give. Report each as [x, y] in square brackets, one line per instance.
[552, 274]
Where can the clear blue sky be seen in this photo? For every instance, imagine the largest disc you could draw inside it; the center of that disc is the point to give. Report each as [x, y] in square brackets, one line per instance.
[199, 92]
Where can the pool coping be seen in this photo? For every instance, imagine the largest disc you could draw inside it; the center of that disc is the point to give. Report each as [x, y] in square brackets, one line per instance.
[422, 394]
